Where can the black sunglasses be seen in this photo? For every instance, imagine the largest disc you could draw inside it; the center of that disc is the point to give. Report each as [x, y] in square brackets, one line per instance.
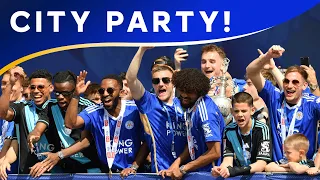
[165, 80]
[39, 87]
[294, 82]
[109, 90]
[63, 93]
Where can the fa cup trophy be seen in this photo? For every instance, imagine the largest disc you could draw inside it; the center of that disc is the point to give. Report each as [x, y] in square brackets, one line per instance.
[223, 102]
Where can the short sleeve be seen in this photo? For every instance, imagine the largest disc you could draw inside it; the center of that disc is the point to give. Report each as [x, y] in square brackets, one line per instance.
[87, 120]
[228, 149]
[269, 93]
[17, 109]
[9, 133]
[43, 116]
[146, 103]
[210, 121]
[264, 143]
[316, 108]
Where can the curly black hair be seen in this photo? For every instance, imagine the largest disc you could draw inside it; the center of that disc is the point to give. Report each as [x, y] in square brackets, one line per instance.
[191, 80]
[41, 73]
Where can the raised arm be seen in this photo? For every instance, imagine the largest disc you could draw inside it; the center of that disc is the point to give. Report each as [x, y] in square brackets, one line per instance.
[136, 87]
[274, 70]
[6, 112]
[255, 67]
[312, 80]
[72, 120]
[179, 56]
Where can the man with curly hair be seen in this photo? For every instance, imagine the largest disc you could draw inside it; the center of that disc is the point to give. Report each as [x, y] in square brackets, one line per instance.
[205, 124]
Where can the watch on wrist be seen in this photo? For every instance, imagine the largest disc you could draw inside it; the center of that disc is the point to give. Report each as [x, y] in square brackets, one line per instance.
[60, 155]
[182, 170]
[134, 167]
[313, 87]
[76, 96]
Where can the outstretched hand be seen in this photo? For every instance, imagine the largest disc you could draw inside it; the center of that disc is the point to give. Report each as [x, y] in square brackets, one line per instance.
[81, 85]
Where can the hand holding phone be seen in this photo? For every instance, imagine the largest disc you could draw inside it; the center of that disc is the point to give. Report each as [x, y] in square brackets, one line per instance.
[305, 61]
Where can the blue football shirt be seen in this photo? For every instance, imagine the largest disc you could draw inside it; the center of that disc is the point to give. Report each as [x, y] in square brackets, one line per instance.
[156, 112]
[307, 117]
[131, 133]
[207, 126]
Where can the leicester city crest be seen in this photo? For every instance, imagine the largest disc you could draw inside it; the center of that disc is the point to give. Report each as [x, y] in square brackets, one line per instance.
[129, 124]
[299, 115]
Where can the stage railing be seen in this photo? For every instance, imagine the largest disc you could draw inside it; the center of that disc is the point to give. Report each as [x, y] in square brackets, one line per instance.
[189, 176]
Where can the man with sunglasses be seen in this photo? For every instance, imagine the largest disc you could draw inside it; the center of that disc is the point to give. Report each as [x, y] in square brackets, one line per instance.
[77, 152]
[290, 111]
[27, 114]
[115, 125]
[167, 136]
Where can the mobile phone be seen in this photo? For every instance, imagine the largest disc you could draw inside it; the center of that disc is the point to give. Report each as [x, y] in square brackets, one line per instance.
[305, 61]
[184, 48]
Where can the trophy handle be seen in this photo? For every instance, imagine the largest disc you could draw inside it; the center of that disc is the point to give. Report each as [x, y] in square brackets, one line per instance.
[226, 62]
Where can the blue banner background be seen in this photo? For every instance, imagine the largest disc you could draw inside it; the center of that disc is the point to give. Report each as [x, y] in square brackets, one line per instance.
[299, 36]
[246, 17]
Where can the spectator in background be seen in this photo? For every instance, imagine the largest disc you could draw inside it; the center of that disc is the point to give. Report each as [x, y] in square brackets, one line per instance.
[125, 93]
[26, 89]
[92, 93]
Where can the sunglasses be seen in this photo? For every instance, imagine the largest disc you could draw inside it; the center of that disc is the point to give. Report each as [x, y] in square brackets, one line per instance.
[109, 90]
[39, 87]
[165, 80]
[63, 93]
[294, 82]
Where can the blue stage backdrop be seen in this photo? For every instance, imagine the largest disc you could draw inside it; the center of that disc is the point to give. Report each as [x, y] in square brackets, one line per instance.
[299, 36]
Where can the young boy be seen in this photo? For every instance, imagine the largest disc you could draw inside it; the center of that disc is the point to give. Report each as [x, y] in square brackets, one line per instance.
[247, 141]
[296, 147]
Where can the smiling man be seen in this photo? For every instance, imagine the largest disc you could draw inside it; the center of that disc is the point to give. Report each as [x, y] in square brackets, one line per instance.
[28, 114]
[212, 58]
[290, 111]
[67, 143]
[115, 125]
[163, 112]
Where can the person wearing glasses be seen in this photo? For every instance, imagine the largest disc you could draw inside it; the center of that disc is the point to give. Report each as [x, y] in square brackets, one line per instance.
[27, 115]
[115, 125]
[165, 130]
[290, 111]
[75, 151]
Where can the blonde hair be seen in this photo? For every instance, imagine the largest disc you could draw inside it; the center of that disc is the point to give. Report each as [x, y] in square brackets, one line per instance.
[160, 67]
[297, 141]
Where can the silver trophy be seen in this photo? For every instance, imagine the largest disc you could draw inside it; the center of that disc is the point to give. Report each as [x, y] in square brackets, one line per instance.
[223, 102]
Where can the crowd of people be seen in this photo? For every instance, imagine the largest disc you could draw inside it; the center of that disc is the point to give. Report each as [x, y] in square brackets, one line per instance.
[118, 126]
